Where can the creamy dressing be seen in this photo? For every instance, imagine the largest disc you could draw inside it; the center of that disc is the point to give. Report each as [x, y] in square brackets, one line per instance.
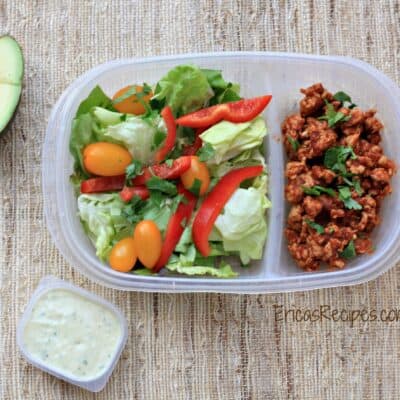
[72, 334]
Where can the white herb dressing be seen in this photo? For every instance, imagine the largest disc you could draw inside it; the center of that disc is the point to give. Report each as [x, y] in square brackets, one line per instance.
[72, 334]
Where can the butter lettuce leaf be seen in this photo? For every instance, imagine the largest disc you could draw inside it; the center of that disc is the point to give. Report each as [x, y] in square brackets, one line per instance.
[229, 139]
[242, 225]
[102, 218]
[223, 271]
[184, 88]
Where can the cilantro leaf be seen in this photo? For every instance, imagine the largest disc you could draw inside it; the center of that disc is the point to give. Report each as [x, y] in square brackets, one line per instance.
[132, 170]
[143, 91]
[156, 183]
[159, 137]
[348, 201]
[343, 98]
[349, 251]
[319, 228]
[357, 187]
[206, 152]
[294, 143]
[317, 190]
[335, 158]
[169, 162]
[195, 189]
[333, 116]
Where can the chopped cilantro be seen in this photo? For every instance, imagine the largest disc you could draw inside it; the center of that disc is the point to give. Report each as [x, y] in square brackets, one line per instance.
[169, 162]
[333, 116]
[294, 143]
[156, 183]
[132, 170]
[139, 96]
[195, 189]
[335, 158]
[344, 98]
[349, 251]
[187, 133]
[317, 190]
[319, 228]
[357, 187]
[348, 201]
[206, 152]
[159, 137]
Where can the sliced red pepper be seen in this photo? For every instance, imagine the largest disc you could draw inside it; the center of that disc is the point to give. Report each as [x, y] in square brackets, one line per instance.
[174, 228]
[236, 111]
[178, 167]
[128, 193]
[169, 143]
[103, 184]
[215, 202]
[195, 147]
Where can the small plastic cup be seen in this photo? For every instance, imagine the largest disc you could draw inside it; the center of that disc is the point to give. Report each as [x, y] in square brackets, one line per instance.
[94, 384]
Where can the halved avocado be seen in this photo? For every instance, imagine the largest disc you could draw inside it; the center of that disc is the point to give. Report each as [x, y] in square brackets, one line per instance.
[11, 73]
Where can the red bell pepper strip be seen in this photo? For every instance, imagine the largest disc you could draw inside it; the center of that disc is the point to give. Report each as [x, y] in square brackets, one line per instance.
[103, 184]
[236, 111]
[169, 143]
[215, 202]
[128, 193]
[175, 229]
[195, 147]
[178, 167]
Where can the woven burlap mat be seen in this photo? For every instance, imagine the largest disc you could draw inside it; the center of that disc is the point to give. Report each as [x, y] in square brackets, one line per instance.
[189, 346]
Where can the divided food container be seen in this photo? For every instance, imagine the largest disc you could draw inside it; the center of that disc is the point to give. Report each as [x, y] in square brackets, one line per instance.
[258, 73]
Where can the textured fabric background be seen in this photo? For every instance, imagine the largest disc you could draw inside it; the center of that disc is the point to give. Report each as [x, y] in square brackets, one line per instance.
[192, 346]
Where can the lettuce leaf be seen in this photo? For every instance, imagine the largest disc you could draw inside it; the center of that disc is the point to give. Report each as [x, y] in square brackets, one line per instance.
[230, 139]
[184, 88]
[102, 218]
[190, 263]
[242, 225]
[96, 98]
[223, 271]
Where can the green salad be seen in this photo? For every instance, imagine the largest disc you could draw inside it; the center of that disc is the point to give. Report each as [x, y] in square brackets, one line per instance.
[172, 177]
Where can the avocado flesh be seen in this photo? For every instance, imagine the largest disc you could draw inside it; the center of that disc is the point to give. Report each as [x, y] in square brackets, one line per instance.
[11, 73]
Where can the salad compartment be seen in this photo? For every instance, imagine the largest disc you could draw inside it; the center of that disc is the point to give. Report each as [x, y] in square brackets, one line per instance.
[279, 74]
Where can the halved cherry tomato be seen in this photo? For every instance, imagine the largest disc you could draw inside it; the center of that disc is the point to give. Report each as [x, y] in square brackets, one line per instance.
[103, 184]
[236, 111]
[169, 143]
[123, 255]
[128, 193]
[175, 229]
[148, 243]
[215, 202]
[195, 147]
[198, 170]
[178, 167]
[106, 159]
[131, 105]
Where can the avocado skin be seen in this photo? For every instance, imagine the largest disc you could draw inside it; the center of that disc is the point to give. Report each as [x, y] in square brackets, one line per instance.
[11, 117]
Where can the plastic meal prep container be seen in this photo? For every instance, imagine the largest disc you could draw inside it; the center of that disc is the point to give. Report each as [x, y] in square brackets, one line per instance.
[46, 285]
[280, 74]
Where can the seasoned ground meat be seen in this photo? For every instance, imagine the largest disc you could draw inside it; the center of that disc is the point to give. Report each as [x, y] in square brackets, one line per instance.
[337, 176]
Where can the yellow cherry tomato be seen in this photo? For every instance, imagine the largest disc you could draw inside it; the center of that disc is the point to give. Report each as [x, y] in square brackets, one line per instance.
[106, 159]
[123, 255]
[148, 243]
[198, 170]
[131, 105]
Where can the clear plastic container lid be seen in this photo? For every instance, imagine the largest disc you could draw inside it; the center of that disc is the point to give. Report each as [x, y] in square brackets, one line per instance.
[280, 74]
[95, 384]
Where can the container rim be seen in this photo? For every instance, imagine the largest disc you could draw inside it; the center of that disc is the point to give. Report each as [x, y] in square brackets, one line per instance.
[370, 270]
